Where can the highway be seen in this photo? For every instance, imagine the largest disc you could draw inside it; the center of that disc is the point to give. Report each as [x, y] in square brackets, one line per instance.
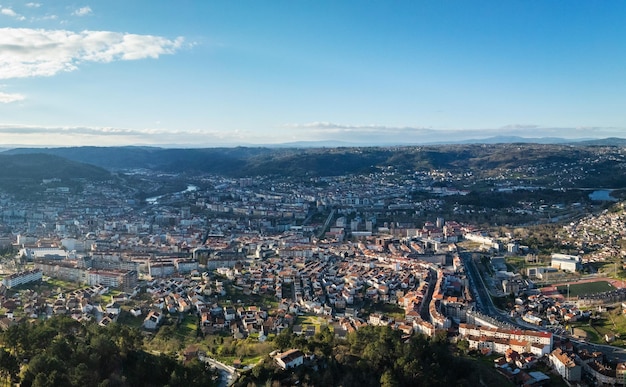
[484, 303]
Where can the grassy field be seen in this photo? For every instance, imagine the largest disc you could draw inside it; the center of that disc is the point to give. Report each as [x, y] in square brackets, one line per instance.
[577, 289]
[610, 322]
[311, 319]
[390, 310]
[519, 263]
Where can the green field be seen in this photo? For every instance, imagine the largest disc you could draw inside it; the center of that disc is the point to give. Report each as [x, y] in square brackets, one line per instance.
[610, 322]
[576, 289]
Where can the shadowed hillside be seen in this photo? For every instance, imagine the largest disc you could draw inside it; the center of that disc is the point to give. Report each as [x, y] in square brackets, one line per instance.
[46, 166]
[602, 165]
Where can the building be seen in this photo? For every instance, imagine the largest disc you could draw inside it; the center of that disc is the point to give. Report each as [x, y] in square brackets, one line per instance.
[602, 374]
[571, 263]
[185, 266]
[21, 278]
[67, 271]
[620, 373]
[43, 253]
[565, 365]
[540, 272]
[156, 270]
[152, 320]
[291, 358]
[121, 279]
[499, 340]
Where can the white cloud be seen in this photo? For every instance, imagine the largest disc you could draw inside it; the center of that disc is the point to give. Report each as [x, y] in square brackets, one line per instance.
[26, 52]
[110, 136]
[322, 125]
[8, 98]
[83, 11]
[106, 136]
[33, 5]
[11, 13]
[330, 127]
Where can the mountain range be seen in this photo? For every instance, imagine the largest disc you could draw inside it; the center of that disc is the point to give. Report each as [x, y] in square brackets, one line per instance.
[327, 161]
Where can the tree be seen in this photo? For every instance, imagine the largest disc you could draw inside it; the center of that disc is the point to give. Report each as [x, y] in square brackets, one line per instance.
[463, 346]
[387, 379]
[283, 339]
[9, 365]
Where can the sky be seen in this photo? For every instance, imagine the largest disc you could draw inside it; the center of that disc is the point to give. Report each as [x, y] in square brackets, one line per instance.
[210, 73]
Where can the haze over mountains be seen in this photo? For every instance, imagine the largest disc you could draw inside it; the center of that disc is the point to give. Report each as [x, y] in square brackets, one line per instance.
[501, 139]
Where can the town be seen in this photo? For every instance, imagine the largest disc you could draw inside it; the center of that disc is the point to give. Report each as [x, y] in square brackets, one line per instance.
[249, 258]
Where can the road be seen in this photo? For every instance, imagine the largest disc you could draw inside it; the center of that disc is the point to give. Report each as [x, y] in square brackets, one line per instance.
[485, 305]
[612, 353]
[424, 310]
[484, 302]
[326, 224]
[228, 374]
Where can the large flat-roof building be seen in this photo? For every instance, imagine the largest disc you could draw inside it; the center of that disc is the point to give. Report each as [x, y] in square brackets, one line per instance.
[571, 263]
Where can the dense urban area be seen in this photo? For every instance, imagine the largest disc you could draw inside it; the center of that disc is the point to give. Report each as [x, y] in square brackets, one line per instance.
[512, 270]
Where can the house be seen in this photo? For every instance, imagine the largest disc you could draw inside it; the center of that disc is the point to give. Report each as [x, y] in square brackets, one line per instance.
[190, 353]
[230, 313]
[106, 320]
[113, 308]
[152, 320]
[291, 358]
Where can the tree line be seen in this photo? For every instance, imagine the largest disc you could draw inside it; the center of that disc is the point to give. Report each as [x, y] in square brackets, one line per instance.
[372, 356]
[63, 352]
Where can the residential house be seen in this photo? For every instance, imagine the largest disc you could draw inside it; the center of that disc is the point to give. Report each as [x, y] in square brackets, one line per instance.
[291, 358]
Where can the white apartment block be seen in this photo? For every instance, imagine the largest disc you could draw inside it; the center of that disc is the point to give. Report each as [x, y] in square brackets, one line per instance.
[22, 278]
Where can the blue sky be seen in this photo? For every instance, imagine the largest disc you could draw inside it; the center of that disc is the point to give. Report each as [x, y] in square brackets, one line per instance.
[216, 73]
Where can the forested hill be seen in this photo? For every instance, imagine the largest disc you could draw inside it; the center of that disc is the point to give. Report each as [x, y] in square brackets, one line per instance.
[63, 352]
[38, 166]
[603, 165]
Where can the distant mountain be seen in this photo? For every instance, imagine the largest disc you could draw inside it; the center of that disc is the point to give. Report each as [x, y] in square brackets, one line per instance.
[216, 160]
[513, 140]
[488, 140]
[611, 141]
[480, 159]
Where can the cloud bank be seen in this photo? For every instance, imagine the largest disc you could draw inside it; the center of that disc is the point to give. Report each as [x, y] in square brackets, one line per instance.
[25, 135]
[26, 52]
[364, 135]
[381, 134]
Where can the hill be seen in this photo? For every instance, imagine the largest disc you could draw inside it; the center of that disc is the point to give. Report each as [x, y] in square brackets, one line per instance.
[601, 165]
[23, 174]
[45, 166]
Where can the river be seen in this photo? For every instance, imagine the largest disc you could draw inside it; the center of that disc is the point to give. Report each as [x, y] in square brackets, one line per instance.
[155, 199]
[602, 195]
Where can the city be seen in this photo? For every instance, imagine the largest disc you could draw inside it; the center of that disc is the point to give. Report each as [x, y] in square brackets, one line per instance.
[252, 258]
[312, 193]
